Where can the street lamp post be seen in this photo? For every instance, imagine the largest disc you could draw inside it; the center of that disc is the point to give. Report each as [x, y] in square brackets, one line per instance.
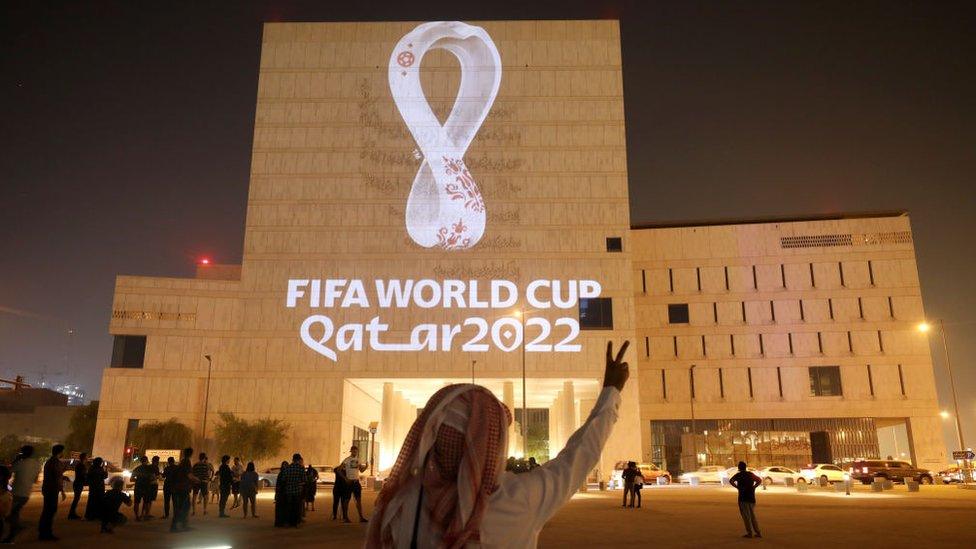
[691, 400]
[525, 417]
[924, 327]
[206, 397]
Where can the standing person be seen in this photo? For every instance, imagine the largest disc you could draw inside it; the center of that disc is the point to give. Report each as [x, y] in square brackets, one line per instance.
[235, 485]
[353, 467]
[638, 485]
[311, 486]
[533, 463]
[78, 485]
[25, 469]
[465, 428]
[628, 477]
[52, 485]
[6, 500]
[183, 480]
[340, 493]
[226, 476]
[96, 489]
[168, 484]
[153, 488]
[281, 504]
[203, 471]
[111, 503]
[294, 480]
[746, 482]
[249, 489]
[142, 477]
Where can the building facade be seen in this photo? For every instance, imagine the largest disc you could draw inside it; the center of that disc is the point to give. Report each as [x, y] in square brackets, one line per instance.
[469, 221]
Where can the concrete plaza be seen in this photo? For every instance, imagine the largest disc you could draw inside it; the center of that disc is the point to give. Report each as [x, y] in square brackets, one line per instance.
[673, 516]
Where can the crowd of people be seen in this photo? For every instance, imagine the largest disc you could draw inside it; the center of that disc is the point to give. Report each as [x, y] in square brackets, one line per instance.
[185, 486]
[448, 487]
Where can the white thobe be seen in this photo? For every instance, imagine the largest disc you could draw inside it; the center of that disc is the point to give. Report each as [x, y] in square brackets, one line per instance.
[523, 503]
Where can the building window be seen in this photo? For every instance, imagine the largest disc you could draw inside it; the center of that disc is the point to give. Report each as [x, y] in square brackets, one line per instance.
[698, 277]
[674, 341]
[721, 384]
[715, 312]
[779, 380]
[678, 313]
[880, 342]
[782, 276]
[644, 281]
[860, 308]
[726, 279]
[772, 311]
[704, 348]
[891, 307]
[901, 380]
[615, 244]
[871, 272]
[691, 379]
[743, 306]
[664, 383]
[820, 342]
[789, 338]
[732, 343]
[813, 279]
[749, 375]
[671, 280]
[830, 307]
[825, 381]
[128, 351]
[850, 343]
[803, 315]
[647, 346]
[762, 346]
[840, 265]
[596, 313]
[755, 279]
[360, 439]
[870, 381]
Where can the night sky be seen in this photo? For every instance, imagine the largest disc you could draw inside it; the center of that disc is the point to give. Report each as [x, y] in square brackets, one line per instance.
[125, 140]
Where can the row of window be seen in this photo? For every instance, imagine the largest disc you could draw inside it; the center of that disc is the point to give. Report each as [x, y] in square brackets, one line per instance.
[825, 275]
[680, 313]
[824, 381]
[762, 340]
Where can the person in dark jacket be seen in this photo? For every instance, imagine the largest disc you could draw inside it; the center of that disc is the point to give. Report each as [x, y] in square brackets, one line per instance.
[226, 482]
[311, 487]
[78, 485]
[111, 502]
[281, 497]
[96, 489]
[340, 495]
[52, 485]
[168, 472]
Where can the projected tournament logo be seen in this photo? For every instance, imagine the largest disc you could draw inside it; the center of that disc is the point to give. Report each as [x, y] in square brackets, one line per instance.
[445, 208]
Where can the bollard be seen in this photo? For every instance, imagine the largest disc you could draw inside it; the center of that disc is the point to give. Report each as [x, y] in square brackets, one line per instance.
[801, 487]
[662, 480]
[790, 482]
[888, 484]
[912, 485]
[694, 481]
[603, 486]
[823, 482]
[377, 485]
[877, 486]
[584, 487]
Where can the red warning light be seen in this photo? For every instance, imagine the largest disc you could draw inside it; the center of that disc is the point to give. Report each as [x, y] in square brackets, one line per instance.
[204, 261]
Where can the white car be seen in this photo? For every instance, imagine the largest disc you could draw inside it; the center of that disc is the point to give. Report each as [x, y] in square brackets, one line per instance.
[731, 471]
[707, 473]
[813, 474]
[777, 474]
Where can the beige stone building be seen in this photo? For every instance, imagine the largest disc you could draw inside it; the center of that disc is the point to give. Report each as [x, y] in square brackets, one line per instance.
[391, 249]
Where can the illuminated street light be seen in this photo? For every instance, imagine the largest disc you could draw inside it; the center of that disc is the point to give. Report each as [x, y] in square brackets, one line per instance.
[924, 327]
[944, 414]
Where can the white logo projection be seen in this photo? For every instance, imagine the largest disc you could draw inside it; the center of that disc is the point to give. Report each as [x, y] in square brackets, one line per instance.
[474, 334]
[445, 208]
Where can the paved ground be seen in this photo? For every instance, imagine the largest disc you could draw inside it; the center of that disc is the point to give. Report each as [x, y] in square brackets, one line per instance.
[673, 516]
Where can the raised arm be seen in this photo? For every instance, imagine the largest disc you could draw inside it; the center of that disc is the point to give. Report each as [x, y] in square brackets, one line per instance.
[548, 487]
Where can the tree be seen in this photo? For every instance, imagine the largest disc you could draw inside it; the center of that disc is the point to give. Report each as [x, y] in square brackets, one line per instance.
[81, 434]
[251, 440]
[11, 444]
[169, 434]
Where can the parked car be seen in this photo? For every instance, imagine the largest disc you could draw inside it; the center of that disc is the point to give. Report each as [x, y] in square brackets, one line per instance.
[866, 470]
[269, 477]
[777, 474]
[950, 475]
[649, 471]
[707, 473]
[821, 471]
[731, 471]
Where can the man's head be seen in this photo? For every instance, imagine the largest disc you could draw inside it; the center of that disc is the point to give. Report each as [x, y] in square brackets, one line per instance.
[170, 460]
[57, 450]
[118, 483]
[237, 461]
[742, 466]
[187, 452]
[296, 458]
[532, 460]
[155, 460]
[26, 451]
[97, 463]
[224, 459]
[354, 451]
[203, 456]
[83, 456]
[632, 464]
[143, 460]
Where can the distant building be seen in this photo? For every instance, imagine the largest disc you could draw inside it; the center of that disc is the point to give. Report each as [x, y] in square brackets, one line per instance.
[76, 395]
[34, 413]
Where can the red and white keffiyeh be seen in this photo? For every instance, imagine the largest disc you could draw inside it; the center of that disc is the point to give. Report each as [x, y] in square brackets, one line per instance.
[456, 451]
